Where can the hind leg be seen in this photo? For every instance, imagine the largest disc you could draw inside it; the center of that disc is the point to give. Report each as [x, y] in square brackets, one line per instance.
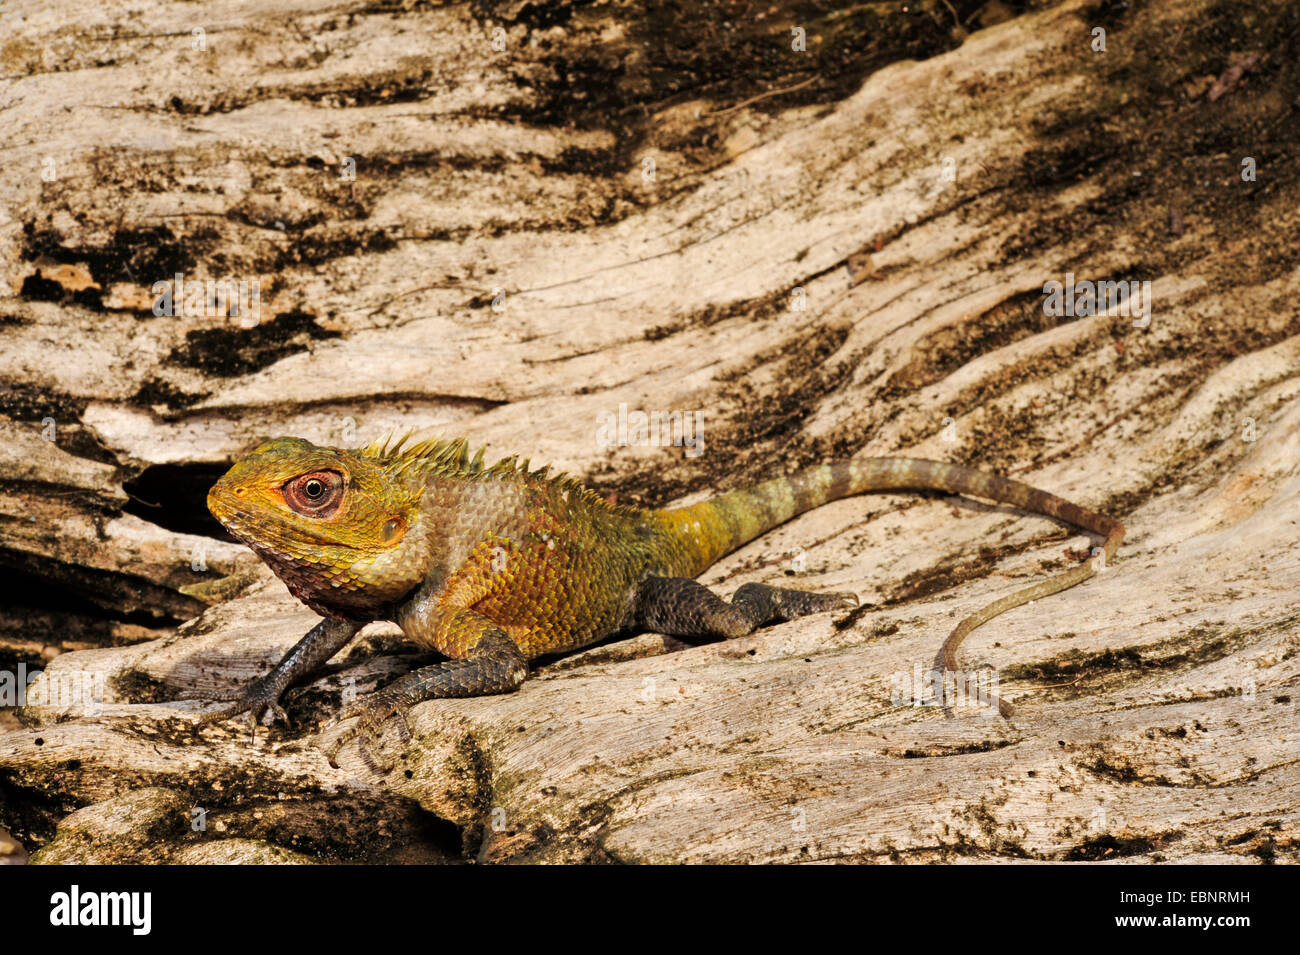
[682, 607]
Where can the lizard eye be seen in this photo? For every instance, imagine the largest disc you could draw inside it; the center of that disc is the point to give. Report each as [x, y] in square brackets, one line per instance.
[316, 494]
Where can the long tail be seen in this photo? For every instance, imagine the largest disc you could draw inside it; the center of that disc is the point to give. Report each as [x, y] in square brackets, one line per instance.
[709, 530]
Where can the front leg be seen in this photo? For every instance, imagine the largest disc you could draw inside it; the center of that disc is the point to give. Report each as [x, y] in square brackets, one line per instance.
[492, 664]
[323, 641]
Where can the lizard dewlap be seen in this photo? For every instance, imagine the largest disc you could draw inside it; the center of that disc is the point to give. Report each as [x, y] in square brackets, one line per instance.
[492, 566]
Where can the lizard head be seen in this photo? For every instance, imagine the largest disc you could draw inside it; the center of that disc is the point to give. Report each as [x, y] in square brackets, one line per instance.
[330, 522]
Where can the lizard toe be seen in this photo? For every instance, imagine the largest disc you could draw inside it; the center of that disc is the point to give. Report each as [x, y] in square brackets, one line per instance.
[238, 706]
[791, 604]
[331, 750]
[217, 716]
[256, 700]
[371, 716]
[367, 749]
[849, 601]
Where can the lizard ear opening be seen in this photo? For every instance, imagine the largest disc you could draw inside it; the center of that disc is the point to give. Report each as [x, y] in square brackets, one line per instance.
[393, 531]
[314, 494]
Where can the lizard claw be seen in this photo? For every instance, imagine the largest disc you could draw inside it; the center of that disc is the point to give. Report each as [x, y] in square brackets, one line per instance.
[259, 698]
[843, 601]
[367, 742]
[364, 747]
[372, 712]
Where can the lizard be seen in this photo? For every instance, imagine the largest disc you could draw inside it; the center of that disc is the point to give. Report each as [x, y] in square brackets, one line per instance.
[495, 565]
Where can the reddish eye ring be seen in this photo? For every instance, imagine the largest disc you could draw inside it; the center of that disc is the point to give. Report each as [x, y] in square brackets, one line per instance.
[316, 494]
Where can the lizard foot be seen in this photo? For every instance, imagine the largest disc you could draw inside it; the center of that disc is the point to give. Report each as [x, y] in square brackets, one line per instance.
[261, 697]
[372, 713]
[782, 603]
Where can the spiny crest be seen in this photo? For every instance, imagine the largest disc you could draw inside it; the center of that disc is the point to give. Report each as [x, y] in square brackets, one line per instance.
[444, 455]
[451, 456]
[434, 454]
